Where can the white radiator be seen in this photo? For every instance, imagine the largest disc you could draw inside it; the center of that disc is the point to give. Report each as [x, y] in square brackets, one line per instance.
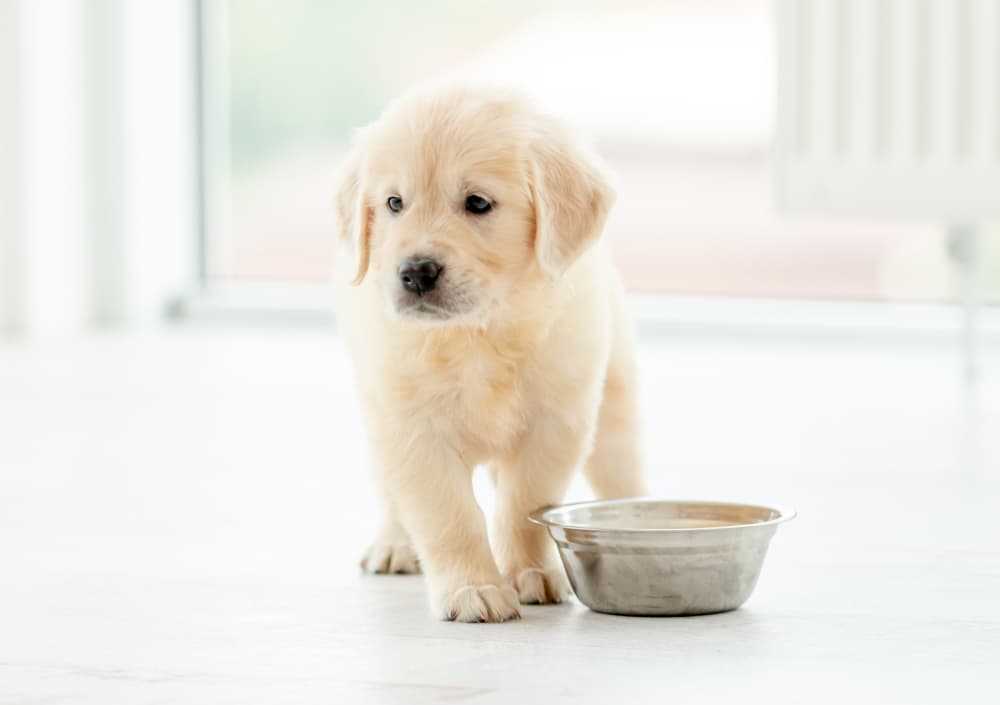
[889, 107]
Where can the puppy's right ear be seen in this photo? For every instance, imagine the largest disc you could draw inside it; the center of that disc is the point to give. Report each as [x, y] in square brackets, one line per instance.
[354, 216]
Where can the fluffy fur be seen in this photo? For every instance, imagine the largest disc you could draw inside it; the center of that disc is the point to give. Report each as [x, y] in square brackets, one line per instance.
[521, 359]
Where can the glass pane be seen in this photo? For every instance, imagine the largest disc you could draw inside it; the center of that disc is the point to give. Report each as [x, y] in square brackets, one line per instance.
[678, 96]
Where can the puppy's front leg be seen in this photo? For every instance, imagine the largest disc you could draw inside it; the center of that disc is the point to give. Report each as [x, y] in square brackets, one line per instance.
[535, 476]
[432, 491]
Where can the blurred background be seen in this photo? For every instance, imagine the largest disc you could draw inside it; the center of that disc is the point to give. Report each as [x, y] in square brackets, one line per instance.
[808, 225]
[165, 158]
[809, 194]
[680, 97]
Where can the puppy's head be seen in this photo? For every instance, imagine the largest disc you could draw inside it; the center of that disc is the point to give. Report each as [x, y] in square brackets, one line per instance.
[457, 198]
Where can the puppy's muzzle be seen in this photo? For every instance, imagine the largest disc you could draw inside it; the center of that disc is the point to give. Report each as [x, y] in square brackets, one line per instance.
[419, 274]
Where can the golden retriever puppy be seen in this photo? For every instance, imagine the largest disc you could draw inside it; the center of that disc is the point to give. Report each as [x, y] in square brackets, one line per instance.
[487, 327]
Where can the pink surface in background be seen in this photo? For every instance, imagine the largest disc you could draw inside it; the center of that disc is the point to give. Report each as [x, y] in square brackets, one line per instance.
[682, 224]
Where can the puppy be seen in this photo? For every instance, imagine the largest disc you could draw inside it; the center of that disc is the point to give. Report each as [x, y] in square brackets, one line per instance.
[487, 327]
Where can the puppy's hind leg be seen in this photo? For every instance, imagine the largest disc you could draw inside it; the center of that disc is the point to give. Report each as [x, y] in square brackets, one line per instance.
[614, 468]
[392, 550]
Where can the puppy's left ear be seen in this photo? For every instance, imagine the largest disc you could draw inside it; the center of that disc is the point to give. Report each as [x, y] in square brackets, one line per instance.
[572, 198]
[354, 217]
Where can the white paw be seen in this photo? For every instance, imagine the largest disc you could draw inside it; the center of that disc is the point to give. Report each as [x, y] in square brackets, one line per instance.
[541, 587]
[481, 603]
[390, 555]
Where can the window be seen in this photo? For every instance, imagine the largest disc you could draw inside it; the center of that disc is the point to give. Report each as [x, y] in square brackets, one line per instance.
[677, 94]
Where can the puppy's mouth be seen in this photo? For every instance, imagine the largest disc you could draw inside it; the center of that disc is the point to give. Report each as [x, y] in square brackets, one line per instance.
[444, 304]
[427, 311]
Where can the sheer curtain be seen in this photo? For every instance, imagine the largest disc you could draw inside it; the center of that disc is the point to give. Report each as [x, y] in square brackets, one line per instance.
[97, 179]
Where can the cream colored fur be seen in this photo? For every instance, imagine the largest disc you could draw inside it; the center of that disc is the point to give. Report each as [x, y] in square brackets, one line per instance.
[530, 371]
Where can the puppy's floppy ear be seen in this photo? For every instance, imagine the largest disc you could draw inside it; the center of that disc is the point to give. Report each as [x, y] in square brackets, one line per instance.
[571, 197]
[354, 216]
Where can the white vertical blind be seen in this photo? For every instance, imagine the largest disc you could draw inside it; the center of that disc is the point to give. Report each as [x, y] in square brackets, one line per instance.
[56, 293]
[159, 194]
[104, 155]
[10, 159]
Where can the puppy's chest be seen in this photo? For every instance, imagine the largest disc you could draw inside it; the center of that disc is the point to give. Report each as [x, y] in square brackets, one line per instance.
[477, 394]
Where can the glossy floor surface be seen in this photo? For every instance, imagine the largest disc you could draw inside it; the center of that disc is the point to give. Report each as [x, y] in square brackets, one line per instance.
[181, 516]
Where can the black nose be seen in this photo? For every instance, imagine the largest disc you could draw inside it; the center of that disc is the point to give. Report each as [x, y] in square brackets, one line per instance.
[419, 275]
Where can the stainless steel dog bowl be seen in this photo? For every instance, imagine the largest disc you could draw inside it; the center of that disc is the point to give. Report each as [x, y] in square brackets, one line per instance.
[648, 557]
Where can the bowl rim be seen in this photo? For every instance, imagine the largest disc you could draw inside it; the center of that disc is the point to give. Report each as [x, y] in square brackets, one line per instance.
[538, 516]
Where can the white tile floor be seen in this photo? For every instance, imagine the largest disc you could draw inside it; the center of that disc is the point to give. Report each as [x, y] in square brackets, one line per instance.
[181, 516]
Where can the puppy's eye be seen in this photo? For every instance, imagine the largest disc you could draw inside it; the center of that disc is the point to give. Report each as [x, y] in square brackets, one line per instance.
[477, 205]
[395, 204]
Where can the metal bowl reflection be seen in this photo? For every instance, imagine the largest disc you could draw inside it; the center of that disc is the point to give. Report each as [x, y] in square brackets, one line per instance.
[650, 557]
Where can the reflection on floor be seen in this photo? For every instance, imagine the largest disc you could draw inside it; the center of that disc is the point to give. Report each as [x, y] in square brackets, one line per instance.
[181, 516]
